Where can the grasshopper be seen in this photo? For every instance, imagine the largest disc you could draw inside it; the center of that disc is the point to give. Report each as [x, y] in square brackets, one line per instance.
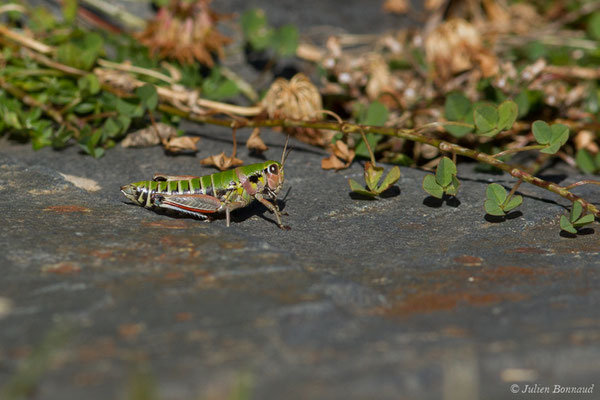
[202, 196]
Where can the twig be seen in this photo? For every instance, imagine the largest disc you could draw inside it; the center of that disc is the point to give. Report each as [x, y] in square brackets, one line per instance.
[24, 40]
[407, 134]
[519, 149]
[581, 183]
[138, 70]
[118, 12]
[364, 138]
[344, 127]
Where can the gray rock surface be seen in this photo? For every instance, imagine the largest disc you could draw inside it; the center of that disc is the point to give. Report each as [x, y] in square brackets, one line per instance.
[398, 298]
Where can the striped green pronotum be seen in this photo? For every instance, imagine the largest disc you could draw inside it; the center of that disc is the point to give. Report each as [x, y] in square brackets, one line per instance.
[216, 193]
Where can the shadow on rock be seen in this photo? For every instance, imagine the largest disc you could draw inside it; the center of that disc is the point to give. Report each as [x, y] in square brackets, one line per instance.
[581, 232]
[434, 202]
[496, 219]
[388, 193]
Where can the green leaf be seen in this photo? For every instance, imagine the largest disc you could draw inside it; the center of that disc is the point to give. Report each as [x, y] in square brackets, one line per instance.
[391, 178]
[81, 52]
[11, 119]
[285, 40]
[357, 188]
[585, 161]
[576, 211]
[541, 132]
[560, 134]
[493, 208]
[89, 83]
[523, 103]
[361, 148]
[452, 188]
[148, 96]
[593, 25]
[377, 114]
[218, 87]
[255, 28]
[124, 123]
[486, 118]
[507, 114]
[496, 193]
[585, 220]
[444, 172]
[513, 203]
[432, 187]
[97, 152]
[372, 176]
[128, 109]
[457, 130]
[555, 136]
[552, 149]
[69, 10]
[110, 128]
[566, 225]
[84, 108]
[457, 107]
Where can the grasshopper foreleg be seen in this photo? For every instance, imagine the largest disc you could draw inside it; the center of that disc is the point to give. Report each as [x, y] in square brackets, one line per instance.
[274, 208]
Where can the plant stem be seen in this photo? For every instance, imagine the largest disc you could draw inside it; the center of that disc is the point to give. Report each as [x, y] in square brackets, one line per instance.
[581, 183]
[519, 149]
[364, 138]
[183, 97]
[407, 134]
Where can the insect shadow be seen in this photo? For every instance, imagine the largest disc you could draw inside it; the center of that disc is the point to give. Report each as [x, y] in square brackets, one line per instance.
[434, 202]
[254, 208]
[237, 216]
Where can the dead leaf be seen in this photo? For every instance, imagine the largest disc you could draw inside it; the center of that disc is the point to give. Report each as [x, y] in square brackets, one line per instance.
[181, 144]
[396, 6]
[221, 161]
[586, 140]
[255, 143]
[332, 162]
[149, 136]
[432, 5]
[340, 159]
[342, 151]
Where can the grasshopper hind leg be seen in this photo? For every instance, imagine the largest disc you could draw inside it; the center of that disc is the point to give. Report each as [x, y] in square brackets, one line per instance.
[196, 205]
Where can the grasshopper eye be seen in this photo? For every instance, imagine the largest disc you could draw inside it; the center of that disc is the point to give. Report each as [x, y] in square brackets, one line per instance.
[273, 169]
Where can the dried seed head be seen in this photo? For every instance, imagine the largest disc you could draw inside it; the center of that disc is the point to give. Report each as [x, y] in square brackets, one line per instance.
[185, 31]
[296, 99]
[456, 46]
[380, 78]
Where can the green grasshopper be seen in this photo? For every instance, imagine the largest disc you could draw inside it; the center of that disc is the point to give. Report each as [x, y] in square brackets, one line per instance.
[202, 196]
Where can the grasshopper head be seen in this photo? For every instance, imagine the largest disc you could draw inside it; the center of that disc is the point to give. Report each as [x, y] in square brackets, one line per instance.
[274, 172]
[274, 176]
[131, 192]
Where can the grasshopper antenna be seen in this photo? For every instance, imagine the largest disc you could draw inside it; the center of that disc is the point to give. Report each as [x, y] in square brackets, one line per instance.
[285, 155]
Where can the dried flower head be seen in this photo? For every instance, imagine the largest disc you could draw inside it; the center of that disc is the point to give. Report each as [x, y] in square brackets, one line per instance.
[297, 98]
[380, 78]
[185, 31]
[456, 46]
